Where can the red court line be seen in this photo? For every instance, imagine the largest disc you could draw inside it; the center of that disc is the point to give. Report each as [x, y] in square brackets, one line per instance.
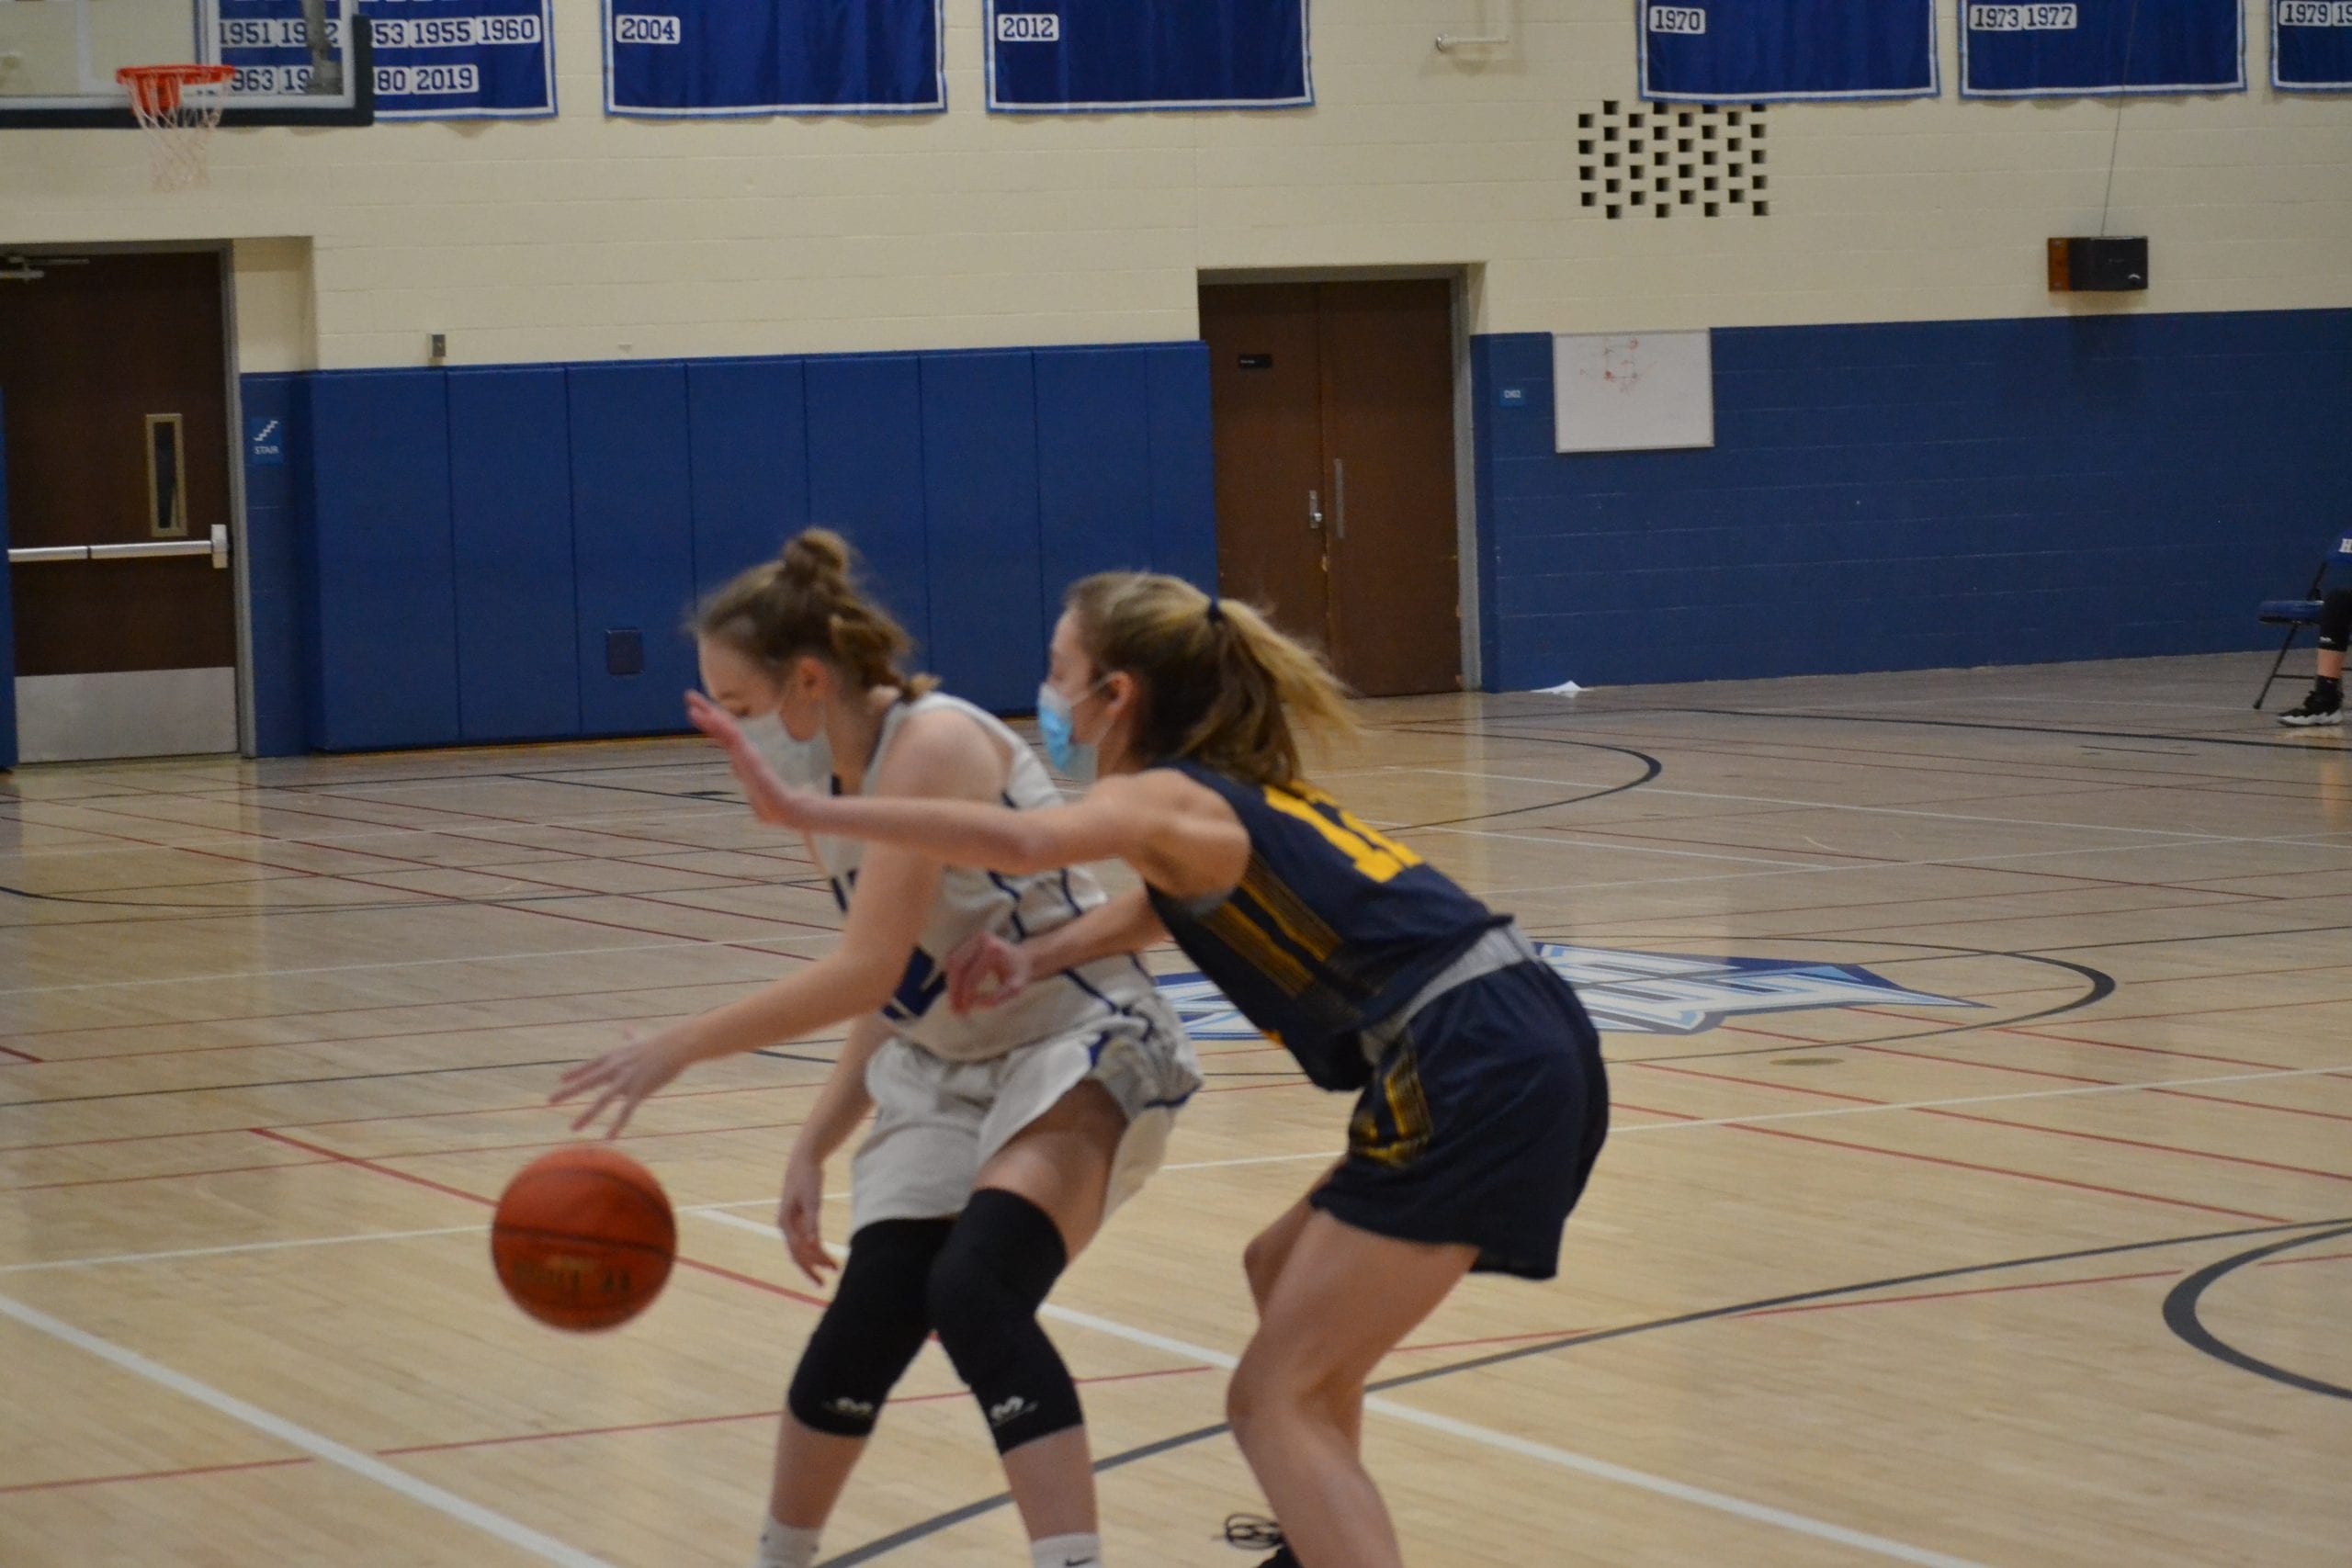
[360, 1121]
[1491, 1340]
[154, 1474]
[22, 1056]
[1950, 1114]
[769, 1413]
[1949, 1296]
[165, 1175]
[476, 1198]
[359, 881]
[2006, 1170]
[2076, 1077]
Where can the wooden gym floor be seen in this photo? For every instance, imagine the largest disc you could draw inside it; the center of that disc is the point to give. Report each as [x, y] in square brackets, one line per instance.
[1981, 1190]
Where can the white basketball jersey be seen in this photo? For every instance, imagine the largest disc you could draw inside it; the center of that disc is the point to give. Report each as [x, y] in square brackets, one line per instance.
[1015, 908]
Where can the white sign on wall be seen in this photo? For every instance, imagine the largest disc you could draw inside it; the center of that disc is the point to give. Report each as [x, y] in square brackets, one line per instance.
[1632, 391]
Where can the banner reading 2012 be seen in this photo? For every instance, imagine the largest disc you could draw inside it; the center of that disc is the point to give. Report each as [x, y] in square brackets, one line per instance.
[434, 58]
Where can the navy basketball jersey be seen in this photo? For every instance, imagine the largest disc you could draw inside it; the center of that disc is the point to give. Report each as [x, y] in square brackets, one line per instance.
[1332, 928]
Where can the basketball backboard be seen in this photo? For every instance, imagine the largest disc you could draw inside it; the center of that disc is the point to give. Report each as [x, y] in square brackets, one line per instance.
[298, 61]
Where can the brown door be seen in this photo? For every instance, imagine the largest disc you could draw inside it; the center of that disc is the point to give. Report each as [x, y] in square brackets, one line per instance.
[114, 380]
[1334, 438]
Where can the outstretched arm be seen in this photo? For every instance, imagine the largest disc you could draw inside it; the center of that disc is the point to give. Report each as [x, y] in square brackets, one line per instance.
[989, 971]
[1179, 835]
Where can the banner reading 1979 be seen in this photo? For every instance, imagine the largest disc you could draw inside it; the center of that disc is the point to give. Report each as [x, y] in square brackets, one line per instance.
[2310, 45]
[434, 58]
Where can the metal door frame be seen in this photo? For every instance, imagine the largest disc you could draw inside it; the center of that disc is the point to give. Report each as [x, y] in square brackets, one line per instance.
[1465, 278]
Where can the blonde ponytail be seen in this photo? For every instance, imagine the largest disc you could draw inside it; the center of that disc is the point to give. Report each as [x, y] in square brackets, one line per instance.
[807, 602]
[1222, 687]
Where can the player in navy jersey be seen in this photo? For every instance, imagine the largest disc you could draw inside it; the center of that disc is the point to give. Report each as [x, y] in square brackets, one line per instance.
[1482, 1101]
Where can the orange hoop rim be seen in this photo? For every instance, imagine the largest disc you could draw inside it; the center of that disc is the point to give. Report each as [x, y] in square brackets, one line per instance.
[157, 88]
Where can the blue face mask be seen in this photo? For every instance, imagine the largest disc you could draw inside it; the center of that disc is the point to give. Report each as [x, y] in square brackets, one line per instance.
[1070, 759]
[803, 764]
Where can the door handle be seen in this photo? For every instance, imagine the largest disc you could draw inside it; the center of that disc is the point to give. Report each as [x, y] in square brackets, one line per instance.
[154, 551]
[1339, 498]
[1315, 509]
[35, 555]
[219, 546]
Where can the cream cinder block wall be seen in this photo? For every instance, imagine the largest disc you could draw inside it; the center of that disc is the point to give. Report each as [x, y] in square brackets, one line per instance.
[588, 238]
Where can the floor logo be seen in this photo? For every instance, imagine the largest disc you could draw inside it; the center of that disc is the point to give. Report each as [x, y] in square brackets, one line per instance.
[1637, 993]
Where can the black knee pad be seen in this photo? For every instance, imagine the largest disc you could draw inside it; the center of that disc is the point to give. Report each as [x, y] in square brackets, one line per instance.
[986, 1288]
[879, 1317]
[2335, 618]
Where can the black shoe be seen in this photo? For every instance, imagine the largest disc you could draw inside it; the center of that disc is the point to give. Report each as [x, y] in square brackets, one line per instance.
[2324, 705]
[1254, 1531]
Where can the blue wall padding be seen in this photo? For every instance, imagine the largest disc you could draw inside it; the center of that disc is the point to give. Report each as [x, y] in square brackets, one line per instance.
[1920, 495]
[1184, 482]
[979, 453]
[1093, 464]
[747, 421]
[382, 572]
[510, 504]
[632, 541]
[442, 554]
[278, 572]
[7, 618]
[865, 473]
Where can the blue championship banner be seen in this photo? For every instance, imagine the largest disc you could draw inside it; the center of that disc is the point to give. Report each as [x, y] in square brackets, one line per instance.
[2310, 45]
[1104, 56]
[434, 58]
[2096, 47]
[710, 58]
[1713, 51]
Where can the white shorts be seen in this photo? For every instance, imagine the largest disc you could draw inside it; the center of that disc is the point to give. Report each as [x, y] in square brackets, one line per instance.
[936, 1123]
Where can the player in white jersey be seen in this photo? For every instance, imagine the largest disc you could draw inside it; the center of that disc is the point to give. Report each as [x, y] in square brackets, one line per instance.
[1001, 1139]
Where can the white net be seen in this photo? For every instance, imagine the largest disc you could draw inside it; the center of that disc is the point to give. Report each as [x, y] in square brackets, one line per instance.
[178, 108]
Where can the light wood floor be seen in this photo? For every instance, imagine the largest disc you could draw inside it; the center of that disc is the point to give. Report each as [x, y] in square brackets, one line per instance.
[1995, 1207]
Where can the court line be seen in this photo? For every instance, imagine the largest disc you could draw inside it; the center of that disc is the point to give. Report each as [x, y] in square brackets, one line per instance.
[251, 975]
[441, 1501]
[1873, 810]
[1563, 1459]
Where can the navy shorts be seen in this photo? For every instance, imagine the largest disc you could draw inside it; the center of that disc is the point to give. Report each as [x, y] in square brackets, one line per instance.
[1481, 1124]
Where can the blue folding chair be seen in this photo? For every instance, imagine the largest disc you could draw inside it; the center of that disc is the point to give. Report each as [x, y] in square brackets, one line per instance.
[2296, 613]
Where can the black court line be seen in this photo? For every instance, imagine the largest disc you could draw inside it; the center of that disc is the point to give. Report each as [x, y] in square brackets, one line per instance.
[953, 1518]
[2181, 1317]
[1651, 769]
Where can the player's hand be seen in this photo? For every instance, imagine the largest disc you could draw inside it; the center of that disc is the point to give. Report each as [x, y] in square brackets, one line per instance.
[986, 972]
[771, 801]
[624, 1077]
[799, 1215]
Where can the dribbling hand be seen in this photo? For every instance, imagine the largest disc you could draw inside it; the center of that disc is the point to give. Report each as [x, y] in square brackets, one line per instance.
[797, 1216]
[771, 801]
[986, 972]
[623, 1076]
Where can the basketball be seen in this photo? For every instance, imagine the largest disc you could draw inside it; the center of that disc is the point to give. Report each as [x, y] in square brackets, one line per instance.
[583, 1238]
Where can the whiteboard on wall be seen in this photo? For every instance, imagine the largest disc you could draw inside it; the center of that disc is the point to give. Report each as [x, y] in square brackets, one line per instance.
[1632, 391]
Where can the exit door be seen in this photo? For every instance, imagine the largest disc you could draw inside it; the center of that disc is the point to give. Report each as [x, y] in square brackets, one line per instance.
[1333, 409]
[113, 390]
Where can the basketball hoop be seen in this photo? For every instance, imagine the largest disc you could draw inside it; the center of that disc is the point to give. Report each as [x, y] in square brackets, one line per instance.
[179, 107]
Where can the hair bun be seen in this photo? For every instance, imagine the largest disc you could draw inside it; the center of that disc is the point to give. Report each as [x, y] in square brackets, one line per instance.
[814, 556]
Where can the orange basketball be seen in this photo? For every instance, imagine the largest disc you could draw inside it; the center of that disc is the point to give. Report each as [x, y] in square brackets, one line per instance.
[583, 1238]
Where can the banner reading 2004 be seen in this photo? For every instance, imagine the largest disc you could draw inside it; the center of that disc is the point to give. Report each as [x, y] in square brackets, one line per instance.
[434, 58]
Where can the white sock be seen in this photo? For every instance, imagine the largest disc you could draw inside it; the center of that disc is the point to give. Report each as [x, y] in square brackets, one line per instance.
[1066, 1551]
[785, 1546]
